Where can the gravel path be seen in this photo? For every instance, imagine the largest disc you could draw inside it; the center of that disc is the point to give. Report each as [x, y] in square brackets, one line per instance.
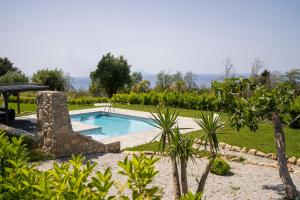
[247, 181]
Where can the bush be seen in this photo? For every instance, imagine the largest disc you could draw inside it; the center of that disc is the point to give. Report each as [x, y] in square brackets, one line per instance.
[220, 167]
[69, 180]
[295, 112]
[188, 100]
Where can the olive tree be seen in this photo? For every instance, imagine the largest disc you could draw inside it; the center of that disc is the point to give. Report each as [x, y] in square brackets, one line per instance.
[54, 78]
[250, 105]
[113, 73]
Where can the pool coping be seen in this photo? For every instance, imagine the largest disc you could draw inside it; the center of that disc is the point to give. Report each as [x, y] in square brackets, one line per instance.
[132, 139]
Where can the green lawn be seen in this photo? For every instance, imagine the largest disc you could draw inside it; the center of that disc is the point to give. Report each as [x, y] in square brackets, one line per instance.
[262, 140]
[29, 108]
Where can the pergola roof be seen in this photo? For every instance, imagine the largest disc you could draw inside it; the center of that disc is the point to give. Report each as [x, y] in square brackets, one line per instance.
[15, 88]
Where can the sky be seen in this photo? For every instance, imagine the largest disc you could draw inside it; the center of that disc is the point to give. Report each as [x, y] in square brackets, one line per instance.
[153, 35]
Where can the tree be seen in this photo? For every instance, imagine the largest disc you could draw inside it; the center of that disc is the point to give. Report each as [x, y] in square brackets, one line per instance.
[112, 72]
[189, 78]
[256, 66]
[166, 122]
[55, 79]
[248, 105]
[228, 68]
[211, 124]
[14, 77]
[6, 66]
[164, 80]
[136, 77]
[143, 86]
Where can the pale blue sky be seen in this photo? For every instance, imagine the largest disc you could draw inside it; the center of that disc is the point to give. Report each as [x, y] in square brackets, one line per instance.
[153, 35]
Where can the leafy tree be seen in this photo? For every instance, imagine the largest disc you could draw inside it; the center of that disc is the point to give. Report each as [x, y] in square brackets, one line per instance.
[113, 73]
[142, 86]
[293, 76]
[6, 66]
[136, 77]
[211, 124]
[250, 105]
[14, 77]
[55, 79]
[164, 80]
[189, 78]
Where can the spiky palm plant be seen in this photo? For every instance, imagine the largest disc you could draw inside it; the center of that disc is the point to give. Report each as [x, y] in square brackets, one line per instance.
[182, 149]
[210, 123]
[166, 122]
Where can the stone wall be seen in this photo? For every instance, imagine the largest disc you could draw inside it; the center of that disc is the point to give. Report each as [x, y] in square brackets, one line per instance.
[55, 133]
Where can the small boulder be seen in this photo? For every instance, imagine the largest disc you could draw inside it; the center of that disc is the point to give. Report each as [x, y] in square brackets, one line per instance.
[292, 160]
[244, 150]
[222, 145]
[252, 151]
[228, 147]
[236, 148]
[274, 156]
[274, 165]
[260, 154]
[298, 162]
[268, 155]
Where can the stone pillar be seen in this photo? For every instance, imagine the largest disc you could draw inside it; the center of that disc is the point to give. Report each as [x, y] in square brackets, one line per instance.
[54, 129]
[53, 120]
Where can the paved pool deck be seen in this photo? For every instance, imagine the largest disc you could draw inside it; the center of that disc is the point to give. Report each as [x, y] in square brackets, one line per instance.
[129, 140]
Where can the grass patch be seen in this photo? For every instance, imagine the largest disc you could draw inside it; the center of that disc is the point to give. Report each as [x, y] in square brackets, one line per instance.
[31, 108]
[262, 140]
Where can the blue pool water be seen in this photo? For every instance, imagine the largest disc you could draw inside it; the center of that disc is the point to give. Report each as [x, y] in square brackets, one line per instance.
[113, 125]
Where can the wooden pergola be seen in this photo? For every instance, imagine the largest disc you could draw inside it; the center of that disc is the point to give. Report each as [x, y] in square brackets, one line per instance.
[15, 89]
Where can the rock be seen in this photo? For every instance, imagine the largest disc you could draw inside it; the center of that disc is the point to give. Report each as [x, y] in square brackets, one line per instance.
[291, 169]
[252, 151]
[268, 155]
[274, 156]
[298, 162]
[244, 150]
[222, 145]
[274, 165]
[236, 148]
[260, 154]
[228, 147]
[234, 159]
[292, 160]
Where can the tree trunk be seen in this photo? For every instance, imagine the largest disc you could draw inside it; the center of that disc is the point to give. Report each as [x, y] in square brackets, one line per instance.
[184, 183]
[177, 192]
[290, 188]
[204, 176]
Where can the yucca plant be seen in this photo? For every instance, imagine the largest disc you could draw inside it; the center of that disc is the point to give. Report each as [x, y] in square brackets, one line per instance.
[166, 122]
[210, 123]
[182, 150]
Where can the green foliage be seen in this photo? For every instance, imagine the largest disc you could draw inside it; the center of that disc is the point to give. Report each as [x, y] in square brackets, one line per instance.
[295, 113]
[14, 77]
[113, 73]
[220, 167]
[165, 121]
[210, 123]
[6, 66]
[55, 79]
[69, 180]
[72, 101]
[142, 86]
[189, 100]
[140, 171]
[191, 196]
[11, 150]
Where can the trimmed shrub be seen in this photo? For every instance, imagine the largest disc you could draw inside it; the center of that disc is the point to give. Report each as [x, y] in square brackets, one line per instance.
[220, 167]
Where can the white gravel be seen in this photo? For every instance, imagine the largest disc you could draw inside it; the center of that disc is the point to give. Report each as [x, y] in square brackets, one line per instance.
[247, 181]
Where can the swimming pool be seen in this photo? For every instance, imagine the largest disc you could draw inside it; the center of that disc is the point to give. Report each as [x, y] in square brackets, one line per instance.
[113, 124]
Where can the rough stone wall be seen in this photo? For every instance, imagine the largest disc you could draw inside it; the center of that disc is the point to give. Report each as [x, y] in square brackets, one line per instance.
[55, 131]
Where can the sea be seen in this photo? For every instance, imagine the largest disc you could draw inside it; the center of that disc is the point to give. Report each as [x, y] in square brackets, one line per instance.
[202, 80]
